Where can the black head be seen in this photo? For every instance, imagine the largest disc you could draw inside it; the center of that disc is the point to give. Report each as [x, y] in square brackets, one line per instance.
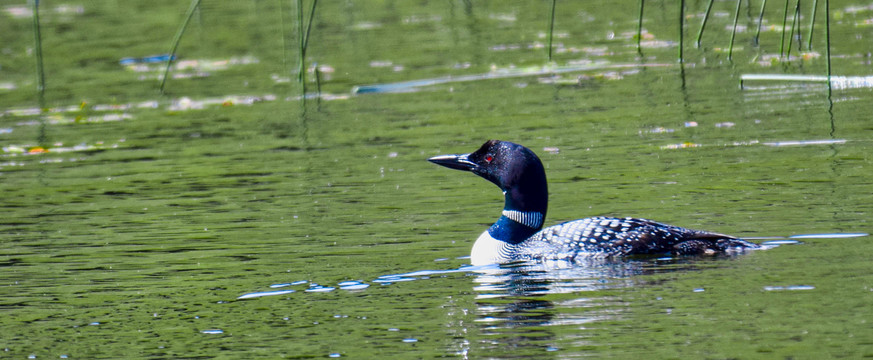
[512, 167]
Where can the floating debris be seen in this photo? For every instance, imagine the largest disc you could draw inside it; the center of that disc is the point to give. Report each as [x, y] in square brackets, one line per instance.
[837, 82]
[186, 103]
[147, 60]
[552, 150]
[366, 26]
[212, 331]
[660, 130]
[508, 17]
[806, 142]
[182, 69]
[685, 145]
[14, 150]
[26, 12]
[789, 287]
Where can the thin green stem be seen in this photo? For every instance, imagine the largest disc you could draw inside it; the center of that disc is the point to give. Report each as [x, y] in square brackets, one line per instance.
[304, 37]
[42, 138]
[177, 39]
[37, 41]
[703, 22]
[551, 28]
[811, 25]
[784, 26]
[300, 41]
[640, 26]
[681, 29]
[734, 31]
[828, 42]
[760, 21]
[309, 26]
[793, 24]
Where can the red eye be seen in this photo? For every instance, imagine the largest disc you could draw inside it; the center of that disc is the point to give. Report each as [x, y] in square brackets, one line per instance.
[488, 158]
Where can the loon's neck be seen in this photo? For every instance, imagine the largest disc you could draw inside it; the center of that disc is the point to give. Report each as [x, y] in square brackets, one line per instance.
[526, 199]
[516, 226]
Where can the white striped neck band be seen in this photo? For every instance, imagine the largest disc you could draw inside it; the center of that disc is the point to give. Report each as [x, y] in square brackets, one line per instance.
[531, 219]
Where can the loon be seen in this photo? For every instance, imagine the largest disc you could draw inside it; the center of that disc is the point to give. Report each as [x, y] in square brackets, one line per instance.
[519, 235]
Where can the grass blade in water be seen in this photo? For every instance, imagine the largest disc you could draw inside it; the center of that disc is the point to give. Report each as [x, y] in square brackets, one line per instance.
[194, 5]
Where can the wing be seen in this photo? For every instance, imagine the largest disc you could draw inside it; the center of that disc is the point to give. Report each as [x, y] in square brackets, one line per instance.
[608, 236]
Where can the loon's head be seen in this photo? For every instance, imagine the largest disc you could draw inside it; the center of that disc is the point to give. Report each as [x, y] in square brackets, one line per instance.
[512, 167]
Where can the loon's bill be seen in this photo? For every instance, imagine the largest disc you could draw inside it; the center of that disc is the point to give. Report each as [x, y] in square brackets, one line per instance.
[518, 233]
[457, 162]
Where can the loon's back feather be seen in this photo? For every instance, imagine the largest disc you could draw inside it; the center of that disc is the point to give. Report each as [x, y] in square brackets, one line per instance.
[598, 237]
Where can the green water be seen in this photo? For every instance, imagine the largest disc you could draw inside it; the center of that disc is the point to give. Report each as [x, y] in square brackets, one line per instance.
[133, 236]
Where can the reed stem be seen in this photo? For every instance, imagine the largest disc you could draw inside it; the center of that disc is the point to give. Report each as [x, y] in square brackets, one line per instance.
[640, 26]
[194, 5]
[309, 26]
[760, 21]
[551, 29]
[703, 22]
[37, 41]
[784, 25]
[284, 36]
[304, 37]
[811, 25]
[828, 42]
[300, 43]
[681, 28]
[793, 24]
[734, 31]
[42, 138]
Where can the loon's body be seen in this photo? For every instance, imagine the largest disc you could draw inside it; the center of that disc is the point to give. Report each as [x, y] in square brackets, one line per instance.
[519, 235]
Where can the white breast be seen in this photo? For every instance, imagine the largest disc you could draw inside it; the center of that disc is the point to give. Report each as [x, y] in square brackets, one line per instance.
[488, 250]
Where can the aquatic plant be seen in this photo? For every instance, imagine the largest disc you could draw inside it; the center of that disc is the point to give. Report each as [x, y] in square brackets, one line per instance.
[551, 29]
[40, 74]
[194, 5]
[303, 36]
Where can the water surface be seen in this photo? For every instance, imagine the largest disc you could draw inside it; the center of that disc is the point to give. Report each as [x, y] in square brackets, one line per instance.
[134, 222]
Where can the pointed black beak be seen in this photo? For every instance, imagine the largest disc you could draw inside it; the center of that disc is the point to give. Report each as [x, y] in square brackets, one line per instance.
[457, 162]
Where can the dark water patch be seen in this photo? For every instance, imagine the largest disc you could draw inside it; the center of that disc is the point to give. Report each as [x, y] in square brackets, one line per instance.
[248, 174]
[287, 149]
[11, 262]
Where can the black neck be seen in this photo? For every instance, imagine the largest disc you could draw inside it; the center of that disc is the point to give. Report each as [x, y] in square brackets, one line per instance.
[507, 230]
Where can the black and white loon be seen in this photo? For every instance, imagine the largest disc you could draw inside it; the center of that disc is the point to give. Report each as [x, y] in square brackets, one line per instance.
[519, 235]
